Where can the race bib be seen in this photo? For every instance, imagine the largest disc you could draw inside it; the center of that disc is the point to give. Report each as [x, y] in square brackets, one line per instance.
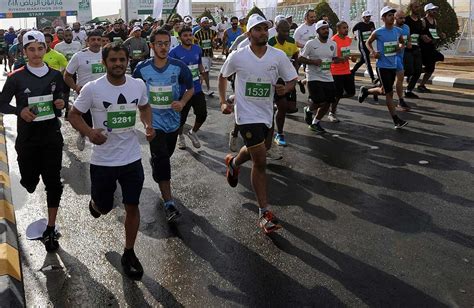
[194, 71]
[326, 65]
[258, 89]
[98, 68]
[44, 107]
[405, 38]
[206, 44]
[366, 35]
[434, 34]
[69, 56]
[3, 44]
[121, 117]
[345, 51]
[390, 48]
[136, 54]
[311, 38]
[292, 32]
[161, 97]
[117, 40]
[414, 39]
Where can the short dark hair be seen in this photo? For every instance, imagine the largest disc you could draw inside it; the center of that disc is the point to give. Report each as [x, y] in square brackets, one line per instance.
[94, 33]
[113, 47]
[159, 32]
[307, 12]
[234, 17]
[48, 35]
[340, 23]
[185, 29]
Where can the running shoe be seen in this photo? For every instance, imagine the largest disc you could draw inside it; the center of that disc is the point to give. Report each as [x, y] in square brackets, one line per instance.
[171, 213]
[131, 265]
[376, 98]
[181, 142]
[292, 111]
[332, 117]
[280, 140]
[363, 93]
[232, 174]
[81, 142]
[233, 142]
[268, 222]
[302, 88]
[50, 240]
[402, 105]
[308, 115]
[93, 211]
[375, 81]
[410, 94]
[194, 139]
[317, 128]
[423, 89]
[400, 123]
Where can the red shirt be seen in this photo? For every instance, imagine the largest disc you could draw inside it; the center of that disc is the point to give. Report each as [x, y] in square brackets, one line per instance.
[344, 67]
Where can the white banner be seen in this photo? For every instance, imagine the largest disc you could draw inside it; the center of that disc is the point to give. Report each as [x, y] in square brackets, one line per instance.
[374, 6]
[157, 9]
[60, 8]
[184, 8]
[140, 8]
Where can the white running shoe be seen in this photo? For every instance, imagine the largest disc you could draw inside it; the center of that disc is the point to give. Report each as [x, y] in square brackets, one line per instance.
[233, 143]
[194, 139]
[181, 142]
[81, 142]
[332, 117]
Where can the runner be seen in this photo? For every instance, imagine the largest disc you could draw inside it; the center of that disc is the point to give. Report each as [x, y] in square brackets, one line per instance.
[307, 30]
[113, 100]
[231, 34]
[318, 54]
[257, 68]
[400, 23]
[191, 55]
[221, 27]
[105, 39]
[205, 38]
[413, 61]
[165, 77]
[16, 52]
[3, 50]
[293, 26]
[341, 72]
[137, 47]
[79, 35]
[389, 42]
[364, 30]
[68, 47]
[10, 37]
[285, 43]
[53, 58]
[38, 92]
[428, 40]
[117, 35]
[88, 66]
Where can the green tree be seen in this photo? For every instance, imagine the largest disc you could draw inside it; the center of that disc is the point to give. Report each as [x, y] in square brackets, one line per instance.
[255, 10]
[323, 8]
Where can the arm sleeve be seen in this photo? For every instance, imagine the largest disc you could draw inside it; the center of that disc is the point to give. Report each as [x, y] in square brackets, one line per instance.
[286, 70]
[62, 60]
[144, 97]
[6, 96]
[305, 51]
[137, 72]
[73, 65]
[228, 67]
[186, 77]
[84, 101]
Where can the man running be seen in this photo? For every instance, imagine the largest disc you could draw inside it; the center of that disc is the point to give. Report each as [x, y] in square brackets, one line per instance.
[413, 61]
[79, 35]
[318, 54]
[116, 156]
[53, 58]
[400, 23]
[191, 55]
[341, 72]
[88, 66]
[364, 30]
[205, 38]
[231, 34]
[389, 42]
[3, 50]
[428, 40]
[307, 30]
[137, 47]
[10, 37]
[68, 47]
[257, 68]
[117, 35]
[38, 92]
[165, 77]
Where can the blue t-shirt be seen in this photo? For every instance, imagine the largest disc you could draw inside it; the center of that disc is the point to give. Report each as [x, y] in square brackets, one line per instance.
[192, 58]
[387, 42]
[195, 28]
[231, 35]
[174, 74]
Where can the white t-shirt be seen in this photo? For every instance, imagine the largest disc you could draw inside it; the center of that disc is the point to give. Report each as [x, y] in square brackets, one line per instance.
[121, 148]
[313, 50]
[272, 32]
[38, 71]
[87, 65]
[305, 33]
[68, 50]
[223, 27]
[254, 82]
[80, 37]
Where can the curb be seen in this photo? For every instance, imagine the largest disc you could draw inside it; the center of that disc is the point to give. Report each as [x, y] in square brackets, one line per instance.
[450, 82]
[12, 292]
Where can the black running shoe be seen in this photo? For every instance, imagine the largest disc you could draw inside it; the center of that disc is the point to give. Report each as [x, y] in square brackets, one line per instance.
[50, 240]
[308, 115]
[317, 128]
[376, 98]
[94, 213]
[302, 88]
[172, 213]
[410, 94]
[131, 265]
[402, 105]
[423, 89]
[400, 123]
[292, 111]
[363, 93]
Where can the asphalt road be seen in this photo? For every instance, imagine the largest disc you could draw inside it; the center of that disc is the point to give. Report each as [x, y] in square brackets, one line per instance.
[365, 224]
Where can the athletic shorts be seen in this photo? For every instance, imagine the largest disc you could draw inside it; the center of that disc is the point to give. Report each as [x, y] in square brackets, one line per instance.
[345, 85]
[387, 78]
[253, 134]
[322, 92]
[290, 96]
[198, 103]
[207, 63]
[104, 183]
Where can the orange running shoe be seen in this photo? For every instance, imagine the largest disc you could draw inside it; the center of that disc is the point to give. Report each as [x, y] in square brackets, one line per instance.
[268, 222]
[232, 177]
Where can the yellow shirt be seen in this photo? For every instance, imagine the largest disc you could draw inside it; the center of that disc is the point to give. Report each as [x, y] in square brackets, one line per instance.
[288, 47]
[55, 60]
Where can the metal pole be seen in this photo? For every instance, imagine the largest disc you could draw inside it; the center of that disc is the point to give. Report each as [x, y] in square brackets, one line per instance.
[126, 10]
[470, 26]
[172, 11]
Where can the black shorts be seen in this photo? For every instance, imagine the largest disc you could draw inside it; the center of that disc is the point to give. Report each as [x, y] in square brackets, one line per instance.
[253, 134]
[290, 96]
[322, 92]
[387, 78]
[345, 85]
[198, 102]
[104, 183]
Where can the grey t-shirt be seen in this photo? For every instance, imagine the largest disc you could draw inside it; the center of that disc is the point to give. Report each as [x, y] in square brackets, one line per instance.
[137, 47]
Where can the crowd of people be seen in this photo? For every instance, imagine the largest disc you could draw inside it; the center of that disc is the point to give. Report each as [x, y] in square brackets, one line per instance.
[112, 73]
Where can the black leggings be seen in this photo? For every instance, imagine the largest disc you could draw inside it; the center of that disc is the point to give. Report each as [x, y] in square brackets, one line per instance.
[364, 58]
[162, 148]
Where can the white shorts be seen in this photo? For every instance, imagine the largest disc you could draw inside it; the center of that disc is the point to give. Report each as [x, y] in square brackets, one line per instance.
[206, 62]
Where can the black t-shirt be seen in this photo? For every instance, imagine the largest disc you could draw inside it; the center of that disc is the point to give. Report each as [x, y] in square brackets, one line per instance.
[426, 31]
[120, 35]
[362, 28]
[415, 29]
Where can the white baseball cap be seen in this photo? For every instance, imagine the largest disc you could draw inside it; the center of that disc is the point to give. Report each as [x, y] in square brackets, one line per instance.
[387, 9]
[430, 6]
[279, 18]
[289, 16]
[366, 14]
[33, 36]
[135, 29]
[321, 23]
[204, 19]
[188, 20]
[256, 19]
